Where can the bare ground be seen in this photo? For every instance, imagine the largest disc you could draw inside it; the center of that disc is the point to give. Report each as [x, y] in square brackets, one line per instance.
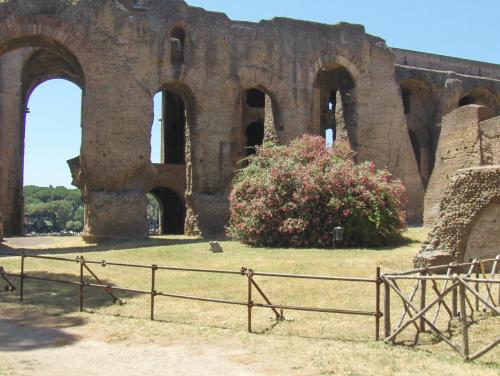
[57, 348]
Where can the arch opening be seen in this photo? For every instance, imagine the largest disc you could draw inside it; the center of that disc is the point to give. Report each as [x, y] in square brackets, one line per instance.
[154, 215]
[177, 40]
[171, 155]
[483, 97]
[418, 99]
[169, 129]
[255, 137]
[170, 212]
[47, 123]
[335, 105]
[260, 120]
[42, 119]
[255, 98]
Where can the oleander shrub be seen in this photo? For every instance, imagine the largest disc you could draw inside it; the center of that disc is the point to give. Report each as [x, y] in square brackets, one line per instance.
[295, 195]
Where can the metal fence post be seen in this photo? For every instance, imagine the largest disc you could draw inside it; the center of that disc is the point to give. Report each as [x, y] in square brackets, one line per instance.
[22, 279]
[377, 304]
[82, 261]
[154, 268]
[249, 302]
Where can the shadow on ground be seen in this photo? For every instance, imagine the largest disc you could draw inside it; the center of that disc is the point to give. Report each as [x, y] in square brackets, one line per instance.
[32, 245]
[22, 330]
[62, 297]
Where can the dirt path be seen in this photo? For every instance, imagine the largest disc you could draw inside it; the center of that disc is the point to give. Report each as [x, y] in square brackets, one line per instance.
[90, 358]
[59, 349]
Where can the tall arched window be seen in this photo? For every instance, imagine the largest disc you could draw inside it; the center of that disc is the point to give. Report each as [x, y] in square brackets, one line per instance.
[336, 110]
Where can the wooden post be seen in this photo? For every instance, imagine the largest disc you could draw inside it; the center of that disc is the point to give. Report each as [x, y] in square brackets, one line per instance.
[423, 291]
[82, 261]
[22, 279]
[477, 287]
[154, 268]
[249, 303]
[463, 319]
[454, 299]
[377, 304]
[387, 310]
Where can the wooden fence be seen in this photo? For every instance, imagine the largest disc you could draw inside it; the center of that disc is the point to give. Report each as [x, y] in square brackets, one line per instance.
[465, 289]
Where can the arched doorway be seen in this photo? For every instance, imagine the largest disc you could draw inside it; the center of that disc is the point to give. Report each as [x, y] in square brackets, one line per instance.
[172, 211]
[171, 157]
[254, 137]
[41, 118]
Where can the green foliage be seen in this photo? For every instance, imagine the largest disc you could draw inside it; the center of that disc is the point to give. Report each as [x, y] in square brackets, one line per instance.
[153, 213]
[296, 195]
[49, 209]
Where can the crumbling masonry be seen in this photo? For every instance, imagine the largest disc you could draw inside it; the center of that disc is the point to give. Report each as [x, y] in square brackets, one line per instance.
[226, 86]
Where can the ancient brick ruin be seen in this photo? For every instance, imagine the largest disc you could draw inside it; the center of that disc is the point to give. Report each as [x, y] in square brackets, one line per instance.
[468, 221]
[226, 86]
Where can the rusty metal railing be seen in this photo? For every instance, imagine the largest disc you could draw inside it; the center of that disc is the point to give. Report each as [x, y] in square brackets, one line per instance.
[250, 274]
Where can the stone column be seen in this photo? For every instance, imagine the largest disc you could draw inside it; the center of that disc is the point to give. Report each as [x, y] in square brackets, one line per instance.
[381, 130]
[117, 117]
[12, 141]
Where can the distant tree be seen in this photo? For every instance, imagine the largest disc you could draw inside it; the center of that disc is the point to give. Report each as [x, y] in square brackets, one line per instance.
[153, 213]
[49, 209]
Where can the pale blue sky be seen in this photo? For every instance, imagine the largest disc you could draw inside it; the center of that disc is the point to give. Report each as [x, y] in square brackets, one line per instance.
[463, 28]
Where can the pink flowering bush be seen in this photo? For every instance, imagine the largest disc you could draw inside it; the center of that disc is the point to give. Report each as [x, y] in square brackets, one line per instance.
[295, 195]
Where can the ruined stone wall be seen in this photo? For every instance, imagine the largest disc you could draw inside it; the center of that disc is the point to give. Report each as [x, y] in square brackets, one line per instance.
[465, 141]
[12, 115]
[490, 141]
[484, 239]
[122, 55]
[446, 63]
[468, 222]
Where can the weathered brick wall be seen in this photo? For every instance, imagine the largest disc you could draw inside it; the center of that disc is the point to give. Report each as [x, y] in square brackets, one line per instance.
[490, 141]
[484, 239]
[121, 57]
[460, 146]
[468, 209]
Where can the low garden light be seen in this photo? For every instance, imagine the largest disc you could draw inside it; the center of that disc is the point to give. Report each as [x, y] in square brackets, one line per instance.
[338, 235]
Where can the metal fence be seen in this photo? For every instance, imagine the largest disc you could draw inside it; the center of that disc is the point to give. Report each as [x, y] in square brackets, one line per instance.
[462, 282]
[85, 266]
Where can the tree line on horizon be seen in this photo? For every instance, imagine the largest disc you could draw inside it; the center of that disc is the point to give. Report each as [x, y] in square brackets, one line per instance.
[52, 210]
[49, 210]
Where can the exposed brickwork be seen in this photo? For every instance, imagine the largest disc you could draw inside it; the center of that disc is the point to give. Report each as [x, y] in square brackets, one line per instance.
[465, 141]
[469, 207]
[484, 239]
[121, 56]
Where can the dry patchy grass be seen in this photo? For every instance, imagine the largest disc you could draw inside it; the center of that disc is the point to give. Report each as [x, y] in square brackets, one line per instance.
[312, 343]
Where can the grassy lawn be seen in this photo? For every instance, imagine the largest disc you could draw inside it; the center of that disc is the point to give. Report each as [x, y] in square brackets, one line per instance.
[311, 343]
